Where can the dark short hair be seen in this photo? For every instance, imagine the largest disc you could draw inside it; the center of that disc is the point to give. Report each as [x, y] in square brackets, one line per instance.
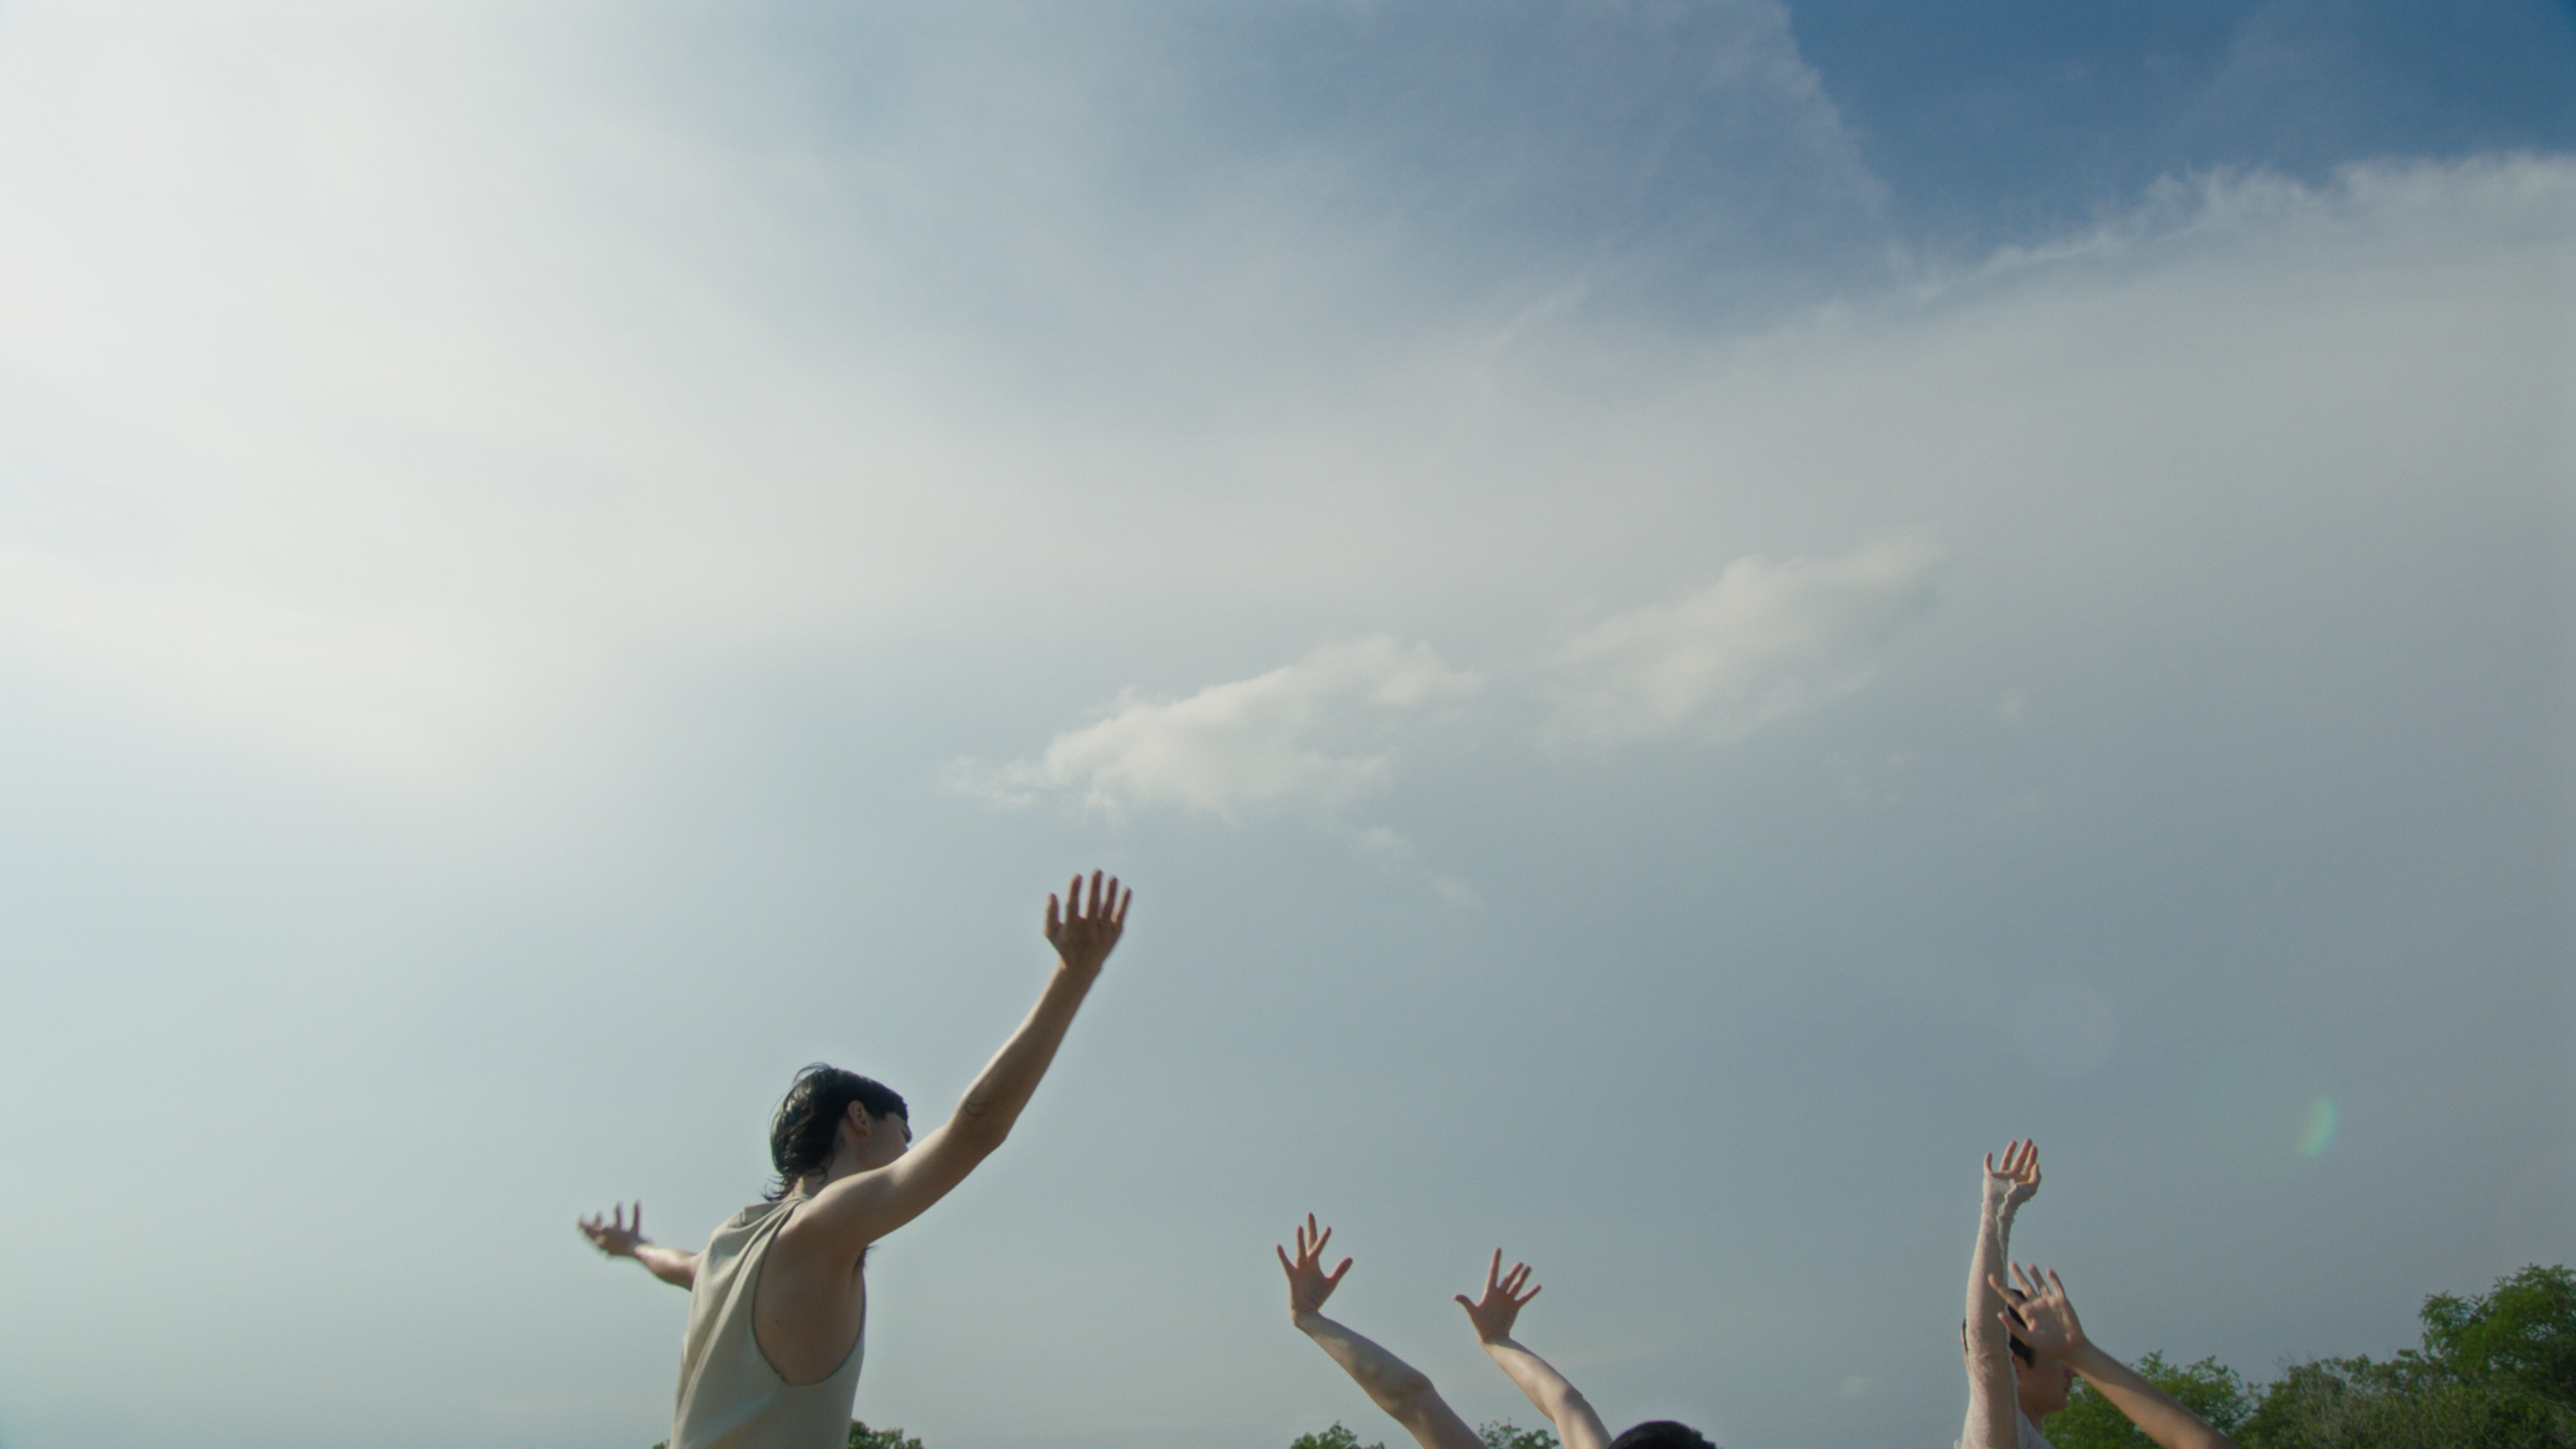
[807, 1127]
[2020, 1350]
[2012, 1340]
[1662, 1434]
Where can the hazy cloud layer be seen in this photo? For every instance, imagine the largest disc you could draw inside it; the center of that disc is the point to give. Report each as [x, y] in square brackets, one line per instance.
[752, 409]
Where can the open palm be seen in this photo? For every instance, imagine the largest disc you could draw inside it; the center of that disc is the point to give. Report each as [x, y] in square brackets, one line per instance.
[2018, 1177]
[1083, 936]
[1496, 1312]
[2047, 1319]
[616, 1232]
[1308, 1284]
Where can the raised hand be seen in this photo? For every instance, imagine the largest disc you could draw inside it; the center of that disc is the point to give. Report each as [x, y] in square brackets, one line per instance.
[1084, 937]
[1308, 1284]
[2017, 1181]
[1495, 1313]
[2044, 1318]
[618, 1234]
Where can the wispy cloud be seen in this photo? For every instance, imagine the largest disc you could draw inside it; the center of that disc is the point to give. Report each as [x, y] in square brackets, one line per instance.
[1310, 736]
[1766, 641]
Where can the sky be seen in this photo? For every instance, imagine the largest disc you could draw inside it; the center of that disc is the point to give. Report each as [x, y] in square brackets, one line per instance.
[1686, 616]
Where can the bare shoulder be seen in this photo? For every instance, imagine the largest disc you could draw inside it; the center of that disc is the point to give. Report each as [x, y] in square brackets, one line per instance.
[812, 1232]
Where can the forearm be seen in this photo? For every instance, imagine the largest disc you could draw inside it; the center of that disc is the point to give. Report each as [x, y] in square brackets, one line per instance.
[993, 1101]
[1986, 1267]
[1551, 1393]
[1392, 1384]
[672, 1266]
[1993, 1408]
[2150, 1408]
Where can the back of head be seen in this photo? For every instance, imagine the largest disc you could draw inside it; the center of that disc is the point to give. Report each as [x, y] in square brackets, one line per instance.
[2021, 1349]
[807, 1128]
[1661, 1434]
[2022, 1352]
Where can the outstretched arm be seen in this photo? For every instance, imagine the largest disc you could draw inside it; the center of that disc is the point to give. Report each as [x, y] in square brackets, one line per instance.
[857, 1210]
[2050, 1325]
[1577, 1426]
[1994, 1410]
[1403, 1391]
[620, 1234]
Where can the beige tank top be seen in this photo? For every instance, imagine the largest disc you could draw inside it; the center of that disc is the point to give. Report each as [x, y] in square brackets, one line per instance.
[730, 1398]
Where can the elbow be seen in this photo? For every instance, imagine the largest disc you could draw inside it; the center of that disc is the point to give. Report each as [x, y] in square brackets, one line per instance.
[1407, 1396]
[978, 1132]
[1567, 1404]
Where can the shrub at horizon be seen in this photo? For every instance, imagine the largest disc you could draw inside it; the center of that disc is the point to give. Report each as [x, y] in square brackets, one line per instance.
[1338, 1436]
[1497, 1434]
[2496, 1371]
[863, 1437]
[2208, 1388]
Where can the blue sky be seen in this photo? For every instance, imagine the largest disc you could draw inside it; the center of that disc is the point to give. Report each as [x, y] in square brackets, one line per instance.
[1687, 617]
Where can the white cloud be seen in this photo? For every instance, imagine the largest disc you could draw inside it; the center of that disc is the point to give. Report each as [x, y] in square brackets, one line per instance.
[409, 392]
[1765, 641]
[1309, 736]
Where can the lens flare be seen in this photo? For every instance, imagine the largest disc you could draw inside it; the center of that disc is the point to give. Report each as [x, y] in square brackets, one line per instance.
[2321, 1128]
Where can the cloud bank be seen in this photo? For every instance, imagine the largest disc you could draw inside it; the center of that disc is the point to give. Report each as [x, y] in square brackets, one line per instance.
[1767, 641]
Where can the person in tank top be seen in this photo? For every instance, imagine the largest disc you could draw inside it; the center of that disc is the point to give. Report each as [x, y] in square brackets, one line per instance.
[778, 1297]
[1407, 1394]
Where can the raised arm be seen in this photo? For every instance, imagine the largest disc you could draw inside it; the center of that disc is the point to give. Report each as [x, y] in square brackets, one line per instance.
[1577, 1426]
[2049, 1324]
[1994, 1410]
[1389, 1383]
[1403, 1391]
[620, 1234]
[857, 1210]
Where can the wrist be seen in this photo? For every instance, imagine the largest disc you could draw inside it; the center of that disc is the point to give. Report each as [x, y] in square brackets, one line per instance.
[2085, 1358]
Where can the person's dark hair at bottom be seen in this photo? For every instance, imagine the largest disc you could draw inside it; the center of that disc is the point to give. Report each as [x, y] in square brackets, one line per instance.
[1662, 1434]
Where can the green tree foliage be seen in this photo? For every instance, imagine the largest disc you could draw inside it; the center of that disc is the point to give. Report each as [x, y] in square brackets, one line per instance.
[2208, 1388]
[1336, 1437]
[863, 1437]
[1500, 1434]
[2496, 1371]
[2522, 1336]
